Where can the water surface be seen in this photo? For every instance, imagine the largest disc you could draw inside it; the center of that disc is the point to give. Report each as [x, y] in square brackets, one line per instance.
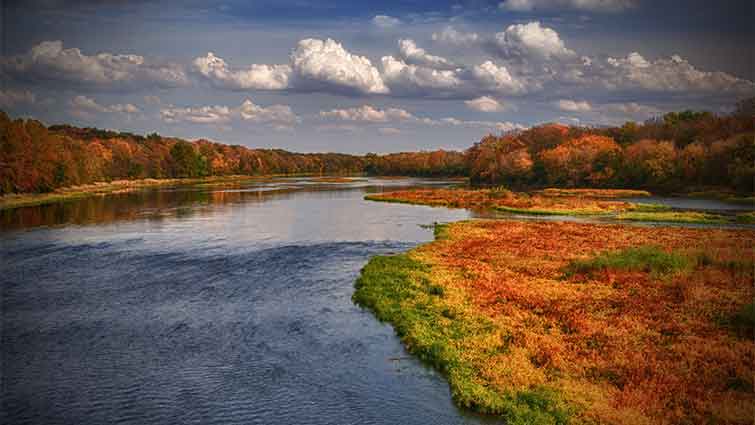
[211, 305]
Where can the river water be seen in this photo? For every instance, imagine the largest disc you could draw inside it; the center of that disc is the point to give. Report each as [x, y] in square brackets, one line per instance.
[211, 305]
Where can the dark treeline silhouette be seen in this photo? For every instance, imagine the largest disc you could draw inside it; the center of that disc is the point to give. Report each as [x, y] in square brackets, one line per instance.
[677, 151]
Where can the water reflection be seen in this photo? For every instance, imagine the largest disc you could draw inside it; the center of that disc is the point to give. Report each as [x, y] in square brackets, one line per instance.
[162, 203]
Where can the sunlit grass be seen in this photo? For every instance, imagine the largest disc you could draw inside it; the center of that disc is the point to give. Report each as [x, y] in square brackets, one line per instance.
[644, 258]
[692, 217]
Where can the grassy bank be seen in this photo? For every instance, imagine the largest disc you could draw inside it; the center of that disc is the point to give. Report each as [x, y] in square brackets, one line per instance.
[105, 188]
[507, 201]
[578, 323]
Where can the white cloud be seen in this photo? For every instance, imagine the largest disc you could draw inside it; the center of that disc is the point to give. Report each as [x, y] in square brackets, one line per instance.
[325, 64]
[49, 61]
[367, 113]
[370, 115]
[315, 65]
[485, 104]
[404, 78]
[279, 116]
[198, 115]
[573, 106]
[530, 41]
[385, 21]
[497, 78]
[83, 105]
[256, 77]
[451, 36]
[673, 74]
[584, 5]
[11, 97]
[414, 55]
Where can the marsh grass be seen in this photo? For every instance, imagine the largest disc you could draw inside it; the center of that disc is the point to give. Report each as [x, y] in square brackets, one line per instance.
[746, 218]
[398, 290]
[692, 217]
[649, 259]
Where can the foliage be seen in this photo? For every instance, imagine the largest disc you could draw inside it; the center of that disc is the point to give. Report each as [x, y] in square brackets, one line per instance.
[627, 345]
[669, 153]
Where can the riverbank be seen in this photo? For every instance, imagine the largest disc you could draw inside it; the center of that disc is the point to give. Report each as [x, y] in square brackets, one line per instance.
[124, 186]
[543, 322]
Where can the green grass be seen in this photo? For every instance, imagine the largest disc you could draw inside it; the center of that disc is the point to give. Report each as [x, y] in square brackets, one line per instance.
[746, 218]
[649, 207]
[692, 217]
[644, 258]
[398, 290]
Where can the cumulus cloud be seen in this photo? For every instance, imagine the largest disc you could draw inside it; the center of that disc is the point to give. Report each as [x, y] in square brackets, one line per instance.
[315, 65]
[414, 55]
[582, 5]
[497, 78]
[385, 21]
[12, 97]
[197, 115]
[485, 104]
[573, 106]
[259, 77]
[406, 79]
[49, 61]
[530, 41]
[673, 74]
[367, 113]
[451, 36]
[84, 104]
[279, 116]
[325, 64]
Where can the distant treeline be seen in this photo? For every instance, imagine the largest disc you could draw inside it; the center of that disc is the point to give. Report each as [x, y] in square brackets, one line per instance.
[675, 151]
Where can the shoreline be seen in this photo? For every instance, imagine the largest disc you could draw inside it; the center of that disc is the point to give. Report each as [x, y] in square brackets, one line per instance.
[71, 193]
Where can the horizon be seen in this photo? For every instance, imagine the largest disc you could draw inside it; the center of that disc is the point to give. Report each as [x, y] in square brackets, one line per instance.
[388, 77]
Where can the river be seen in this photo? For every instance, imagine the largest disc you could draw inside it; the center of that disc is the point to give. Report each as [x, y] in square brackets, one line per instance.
[211, 305]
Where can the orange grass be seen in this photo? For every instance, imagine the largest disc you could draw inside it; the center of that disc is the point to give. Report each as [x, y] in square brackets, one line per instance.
[504, 200]
[623, 346]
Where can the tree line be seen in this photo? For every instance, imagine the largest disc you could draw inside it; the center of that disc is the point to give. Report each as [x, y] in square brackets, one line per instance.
[678, 150]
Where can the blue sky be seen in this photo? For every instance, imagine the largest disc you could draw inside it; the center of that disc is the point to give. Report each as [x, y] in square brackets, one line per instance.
[369, 76]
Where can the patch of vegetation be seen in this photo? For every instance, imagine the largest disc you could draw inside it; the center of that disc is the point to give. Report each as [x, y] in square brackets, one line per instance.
[596, 193]
[651, 259]
[398, 290]
[693, 217]
[743, 321]
[746, 218]
[640, 207]
[538, 211]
